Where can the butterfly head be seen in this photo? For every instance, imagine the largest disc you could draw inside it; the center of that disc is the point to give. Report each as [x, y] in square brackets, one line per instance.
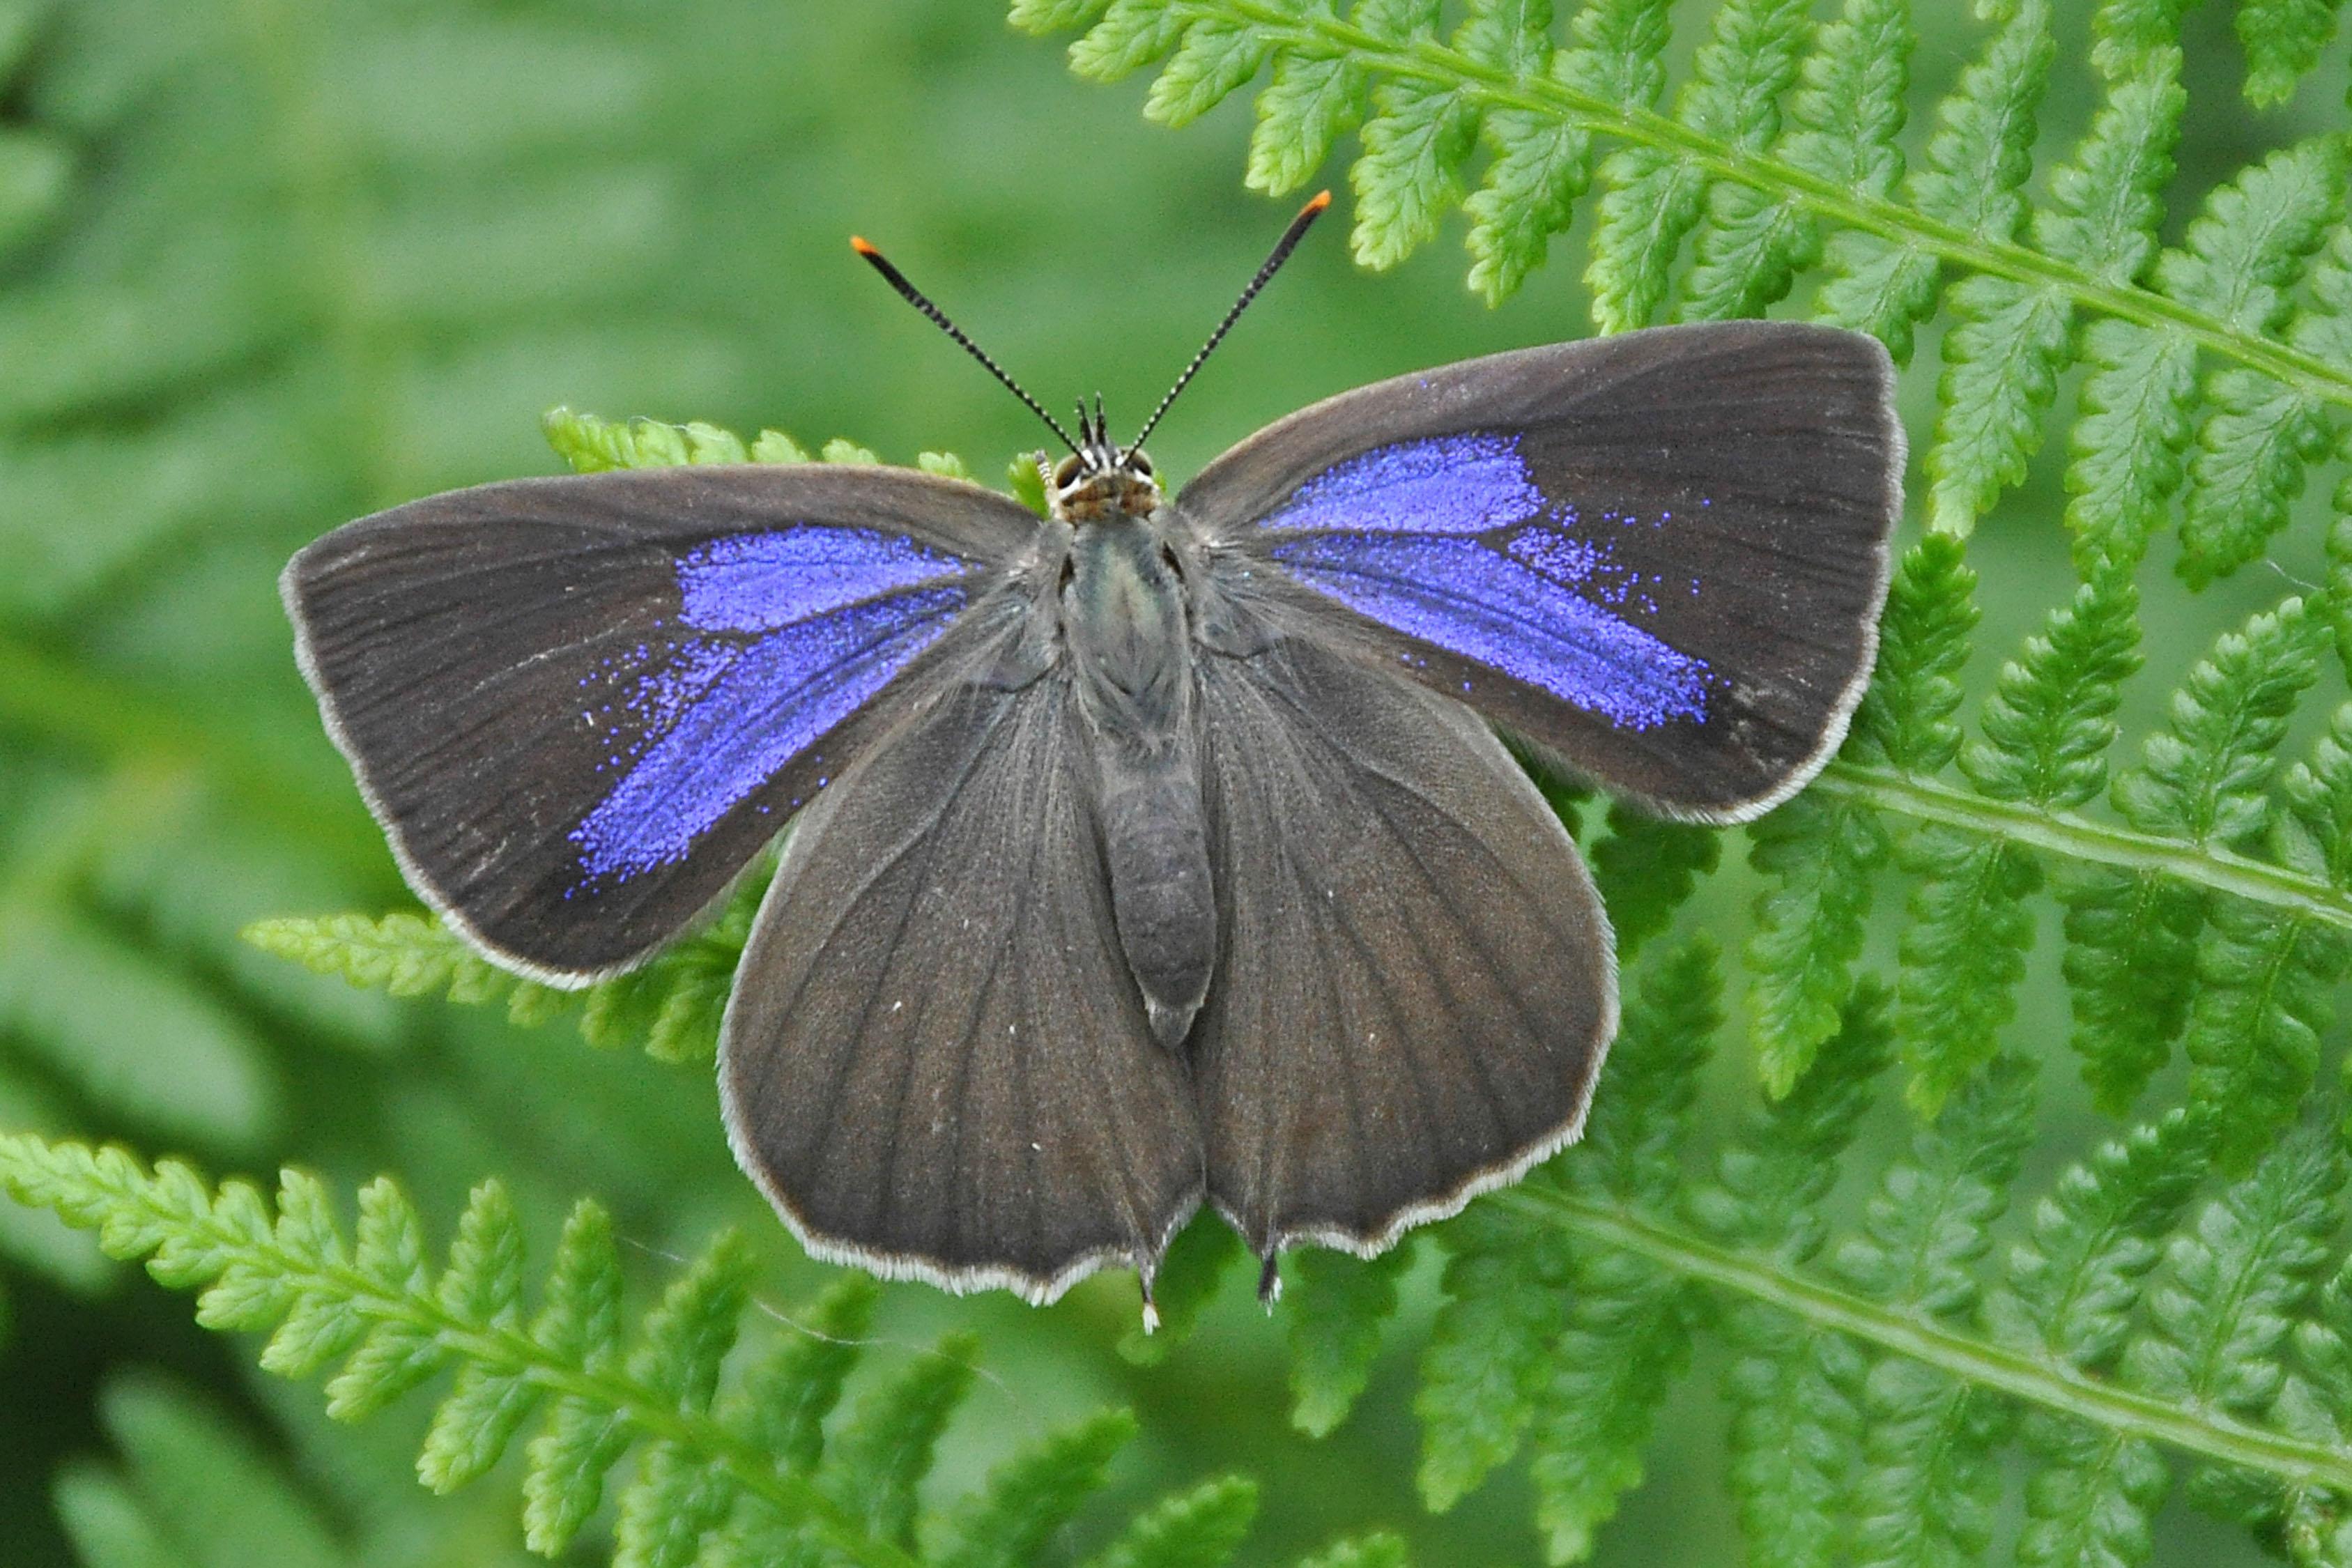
[1100, 479]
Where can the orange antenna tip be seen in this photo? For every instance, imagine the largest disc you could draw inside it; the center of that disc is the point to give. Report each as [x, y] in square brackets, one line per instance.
[1322, 199]
[858, 242]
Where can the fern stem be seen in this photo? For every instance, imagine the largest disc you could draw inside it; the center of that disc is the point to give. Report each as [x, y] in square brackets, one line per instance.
[1430, 60]
[2079, 838]
[2048, 1384]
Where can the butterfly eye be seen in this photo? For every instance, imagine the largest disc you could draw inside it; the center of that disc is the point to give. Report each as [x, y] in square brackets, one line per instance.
[1068, 473]
[1140, 464]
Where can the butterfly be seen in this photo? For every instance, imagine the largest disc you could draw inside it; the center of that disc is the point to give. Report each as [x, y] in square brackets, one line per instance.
[1158, 850]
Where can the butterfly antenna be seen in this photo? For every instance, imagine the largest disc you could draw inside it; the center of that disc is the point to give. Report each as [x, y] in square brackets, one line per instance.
[915, 296]
[1280, 254]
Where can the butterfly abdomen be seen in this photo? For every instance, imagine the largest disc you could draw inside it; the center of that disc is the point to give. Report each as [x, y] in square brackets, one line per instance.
[1125, 628]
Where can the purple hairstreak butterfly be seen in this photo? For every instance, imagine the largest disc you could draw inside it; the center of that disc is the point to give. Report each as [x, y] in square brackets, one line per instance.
[1157, 850]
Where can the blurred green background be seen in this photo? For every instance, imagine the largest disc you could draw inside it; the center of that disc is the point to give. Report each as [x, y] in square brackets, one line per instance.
[265, 264]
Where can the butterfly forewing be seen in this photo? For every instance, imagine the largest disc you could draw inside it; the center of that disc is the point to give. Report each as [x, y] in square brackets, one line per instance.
[1417, 983]
[1660, 556]
[580, 705]
[935, 1060]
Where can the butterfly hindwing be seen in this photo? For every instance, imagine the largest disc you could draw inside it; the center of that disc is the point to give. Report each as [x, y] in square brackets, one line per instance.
[1660, 556]
[580, 705]
[1417, 982]
[935, 1061]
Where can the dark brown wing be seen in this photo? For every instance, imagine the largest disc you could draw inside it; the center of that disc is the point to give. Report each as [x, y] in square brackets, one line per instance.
[1416, 983]
[580, 705]
[936, 1062]
[1660, 556]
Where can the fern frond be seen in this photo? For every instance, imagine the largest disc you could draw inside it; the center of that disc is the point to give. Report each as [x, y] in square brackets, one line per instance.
[1644, 869]
[734, 1468]
[1653, 200]
[1794, 1391]
[2070, 1292]
[2132, 935]
[2010, 338]
[1338, 1306]
[2283, 39]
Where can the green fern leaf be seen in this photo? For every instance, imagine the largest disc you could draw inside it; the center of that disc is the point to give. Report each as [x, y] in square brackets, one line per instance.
[671, 1504]
[2001, 359]
[2070, 1293]
[2266, 981]
[1963, 954]
[2260, 435]
[672, 1005]
[1819, 856]
[1976, 166]
[2049, 722]
[1648, 204]
[1187, 1279]
[1216, 58]
[1130, 35]
[1968, 930]
[1634, 1134]
[1312, 100]
[1645, 868]
[563, 1482]
[690, 1332]
[2090, 1496]
[2218, 1315]
[1624, 1342]
[1337, 1305]
[2000, 373]
[2130, 967]
[1488, 1350]
[2010, 338]
[1200, 1529]
[1540, 165]
[2131, 957]
[1057, 16]
[876, 1460]
[700, 1489]
[1624, 1332]
[2125, 459]
[1414, 146]
[593, 446]
[1381, 1550]
[1745, 245]
[2206, 779]
[2047, 730]
[1905, 719]
[483, 1283]
[1794, 1391]
[2071, 1288]
[788, 1395]
[1795, 1395]
[472, 1428]
[2283, 39]
[1930, 1483]
[1652, 200]
[1008, 1523]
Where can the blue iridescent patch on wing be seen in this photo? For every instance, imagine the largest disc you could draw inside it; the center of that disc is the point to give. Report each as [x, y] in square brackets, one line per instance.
[1448, 484]
[757, 582]
[1471, 600]
[837, 613]
[1450, 540]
